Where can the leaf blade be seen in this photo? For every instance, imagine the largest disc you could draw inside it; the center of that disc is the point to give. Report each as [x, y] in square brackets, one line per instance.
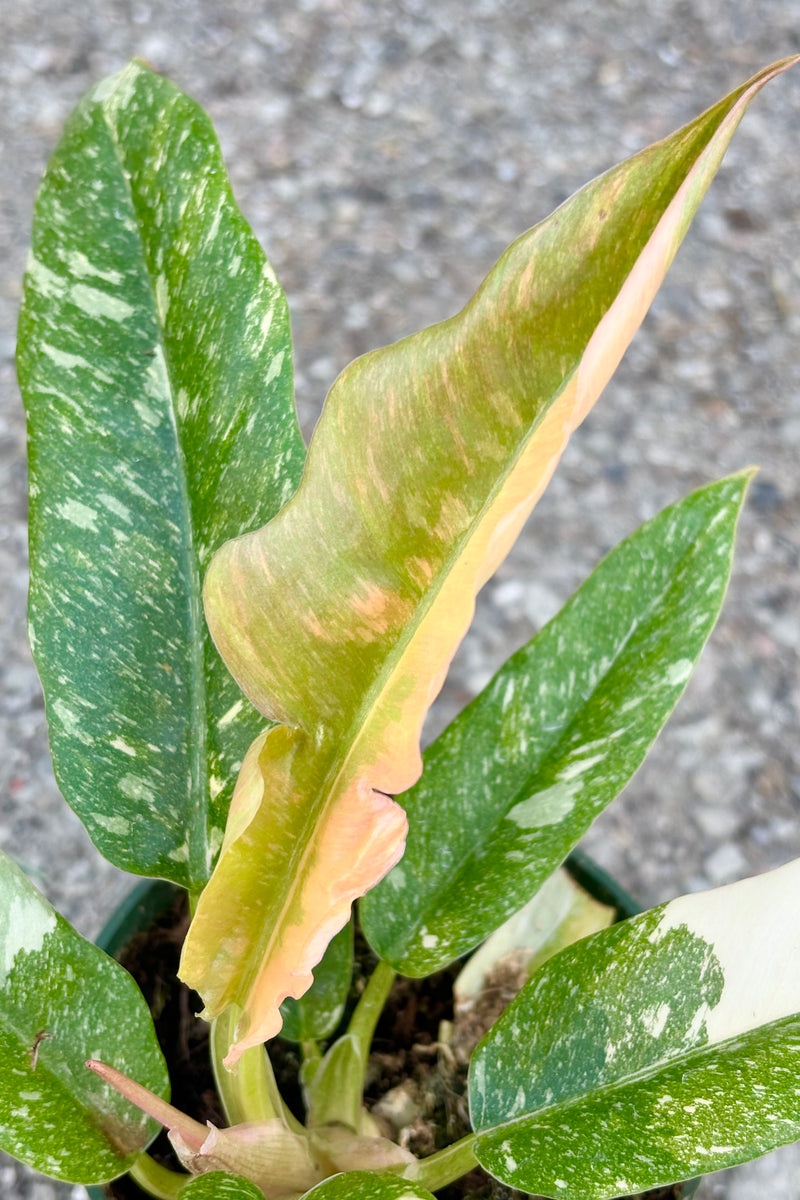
[144, 358]
[367, 1185]
[317, 1013]
[667, 1037]
[220, 1185]
[61, 1001]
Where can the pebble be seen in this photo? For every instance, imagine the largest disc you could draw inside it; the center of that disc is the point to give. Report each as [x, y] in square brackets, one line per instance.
[716, 822]
[725, 865]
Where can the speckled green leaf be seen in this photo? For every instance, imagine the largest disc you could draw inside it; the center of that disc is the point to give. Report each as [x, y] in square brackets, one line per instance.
[218, 1185]
[365, 1185]
[155, 363]
[62, 1000]
[561, 912]
[662, 1048]
[317, 1013]
[340, 617]
[516, 780]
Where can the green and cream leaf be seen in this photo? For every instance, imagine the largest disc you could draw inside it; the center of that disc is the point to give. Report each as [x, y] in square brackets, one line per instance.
[657, 1050]
[63, 1000]
[367, 1185]
[220, 1185]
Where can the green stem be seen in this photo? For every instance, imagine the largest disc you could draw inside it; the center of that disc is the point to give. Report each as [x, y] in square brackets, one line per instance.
[251, 1094]
[156, 1180]
[370, 1007]
[312, 1059]
[444, 1167]
[311, 1051]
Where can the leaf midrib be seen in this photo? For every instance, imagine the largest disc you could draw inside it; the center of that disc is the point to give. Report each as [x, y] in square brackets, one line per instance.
[197, 750]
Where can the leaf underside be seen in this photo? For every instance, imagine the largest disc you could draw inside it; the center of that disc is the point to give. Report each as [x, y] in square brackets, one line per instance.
[657, 1050]
[341, 616]
[512, 785]
[155, 364]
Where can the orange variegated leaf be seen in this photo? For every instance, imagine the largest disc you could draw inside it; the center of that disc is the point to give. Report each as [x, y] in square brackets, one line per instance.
[340, 617]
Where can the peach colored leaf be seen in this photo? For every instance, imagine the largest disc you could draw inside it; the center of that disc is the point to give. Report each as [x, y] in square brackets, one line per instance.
[339, 618]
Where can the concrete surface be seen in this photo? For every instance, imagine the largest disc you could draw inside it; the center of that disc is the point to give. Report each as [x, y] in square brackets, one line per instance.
[385, 154]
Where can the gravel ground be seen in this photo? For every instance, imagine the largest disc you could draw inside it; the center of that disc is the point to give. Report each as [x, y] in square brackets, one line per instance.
[385, 154]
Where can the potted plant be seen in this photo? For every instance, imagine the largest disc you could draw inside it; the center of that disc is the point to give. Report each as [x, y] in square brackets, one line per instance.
[254, 763]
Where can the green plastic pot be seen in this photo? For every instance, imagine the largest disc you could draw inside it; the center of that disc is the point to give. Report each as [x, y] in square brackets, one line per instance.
[150, 899]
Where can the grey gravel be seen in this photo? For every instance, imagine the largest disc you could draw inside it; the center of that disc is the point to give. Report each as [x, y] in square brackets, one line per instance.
[385, 154]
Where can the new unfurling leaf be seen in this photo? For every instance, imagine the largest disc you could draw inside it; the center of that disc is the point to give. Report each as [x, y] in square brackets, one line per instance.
[339, 618]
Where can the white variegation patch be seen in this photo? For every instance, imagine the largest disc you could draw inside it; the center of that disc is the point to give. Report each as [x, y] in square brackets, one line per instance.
[78, 514]
[547, 807]
[47, 282]
[136, 788]
[70, 721]
[80, 267]
[118, 825]
[654, 1019]
[230, 715]
[275, 368]
[751, 928]
[27, 919]
[115, 506]
[679, 672]
[120, 744]
[97, 303]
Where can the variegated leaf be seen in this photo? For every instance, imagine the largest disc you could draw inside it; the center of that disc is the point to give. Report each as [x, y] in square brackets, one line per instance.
[513, 784]
[662, 1048]
[155, 363]
[219, 1185]
[341, 616]
[366, 1185]
[62, 1000]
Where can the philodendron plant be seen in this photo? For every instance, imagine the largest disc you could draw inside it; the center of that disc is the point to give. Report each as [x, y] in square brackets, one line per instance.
[255, 762]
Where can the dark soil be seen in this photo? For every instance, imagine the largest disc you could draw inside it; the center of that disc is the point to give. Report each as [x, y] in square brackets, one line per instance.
[420, 1054]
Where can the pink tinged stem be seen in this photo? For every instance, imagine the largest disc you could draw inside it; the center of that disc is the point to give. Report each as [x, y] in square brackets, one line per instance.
[192, 1132]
